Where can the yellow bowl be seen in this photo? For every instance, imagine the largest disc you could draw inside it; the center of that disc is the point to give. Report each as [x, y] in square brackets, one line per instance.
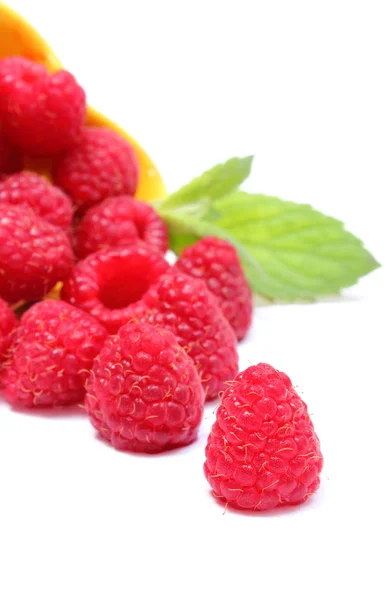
[19, 38]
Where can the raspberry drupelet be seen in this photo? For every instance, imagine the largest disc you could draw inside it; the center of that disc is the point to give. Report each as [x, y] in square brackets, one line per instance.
[7, 323]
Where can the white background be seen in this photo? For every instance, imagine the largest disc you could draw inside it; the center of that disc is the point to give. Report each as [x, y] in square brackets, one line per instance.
[302, 85]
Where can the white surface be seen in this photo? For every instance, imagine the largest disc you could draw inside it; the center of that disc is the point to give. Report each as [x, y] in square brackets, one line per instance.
[302, 86]
[80, 520]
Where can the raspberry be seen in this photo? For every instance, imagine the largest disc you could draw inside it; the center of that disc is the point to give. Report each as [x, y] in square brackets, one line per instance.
[150, 227]
[7, 324]
[186, 307]
[120, 221]
[46, 200]
[262, 451]
[52, 351]
[41, 113]
[12, 70]
[34, 255]
[101, 165]
[106, 225]
[144, 393]
[216, 262]
[10, 159]
[109, 284]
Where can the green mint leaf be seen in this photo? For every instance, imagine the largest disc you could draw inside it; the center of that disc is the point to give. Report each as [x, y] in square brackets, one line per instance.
[215, 183]
[290, 251]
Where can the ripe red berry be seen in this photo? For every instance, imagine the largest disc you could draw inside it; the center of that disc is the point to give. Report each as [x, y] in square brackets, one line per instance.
[100, 165]
[110, 284]
[186, 307]
[119, 221]
[144, 393]
[7, 323]
[46, 200]
[262, 451]
[41, 113]
[216, 262]
[150, 227]
[12, 70]
[34, 255]
[51, 353]
[106, 225]
[10, 159]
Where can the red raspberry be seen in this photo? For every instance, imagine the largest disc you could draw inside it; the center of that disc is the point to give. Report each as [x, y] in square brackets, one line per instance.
[262, 451]
[120, 221]
[106, 225]
[7, 324]
[150, 227]
[101, 165]
[144, 393]
[216, 262]
[46, 200]
[34, 255]
[41, 113]
[10, 159]
[110, 283]
[12, 70]
[52, 351]
[186, 307]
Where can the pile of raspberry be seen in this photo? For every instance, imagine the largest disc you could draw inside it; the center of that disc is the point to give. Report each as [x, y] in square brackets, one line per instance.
[91, 312]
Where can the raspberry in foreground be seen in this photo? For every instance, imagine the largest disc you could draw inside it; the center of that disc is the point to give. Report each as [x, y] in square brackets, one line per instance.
[10, 159]
[110, 284]
[186, 307]
[262, 451]
[216, 262]
[51, 354]
[7, 323]
[100, 165]
[41, 113]
[34, 255]
[46, 200]
[120, 221]
[144, 393]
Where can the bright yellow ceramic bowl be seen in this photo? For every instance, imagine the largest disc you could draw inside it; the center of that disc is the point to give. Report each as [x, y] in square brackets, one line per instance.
[19, 38]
